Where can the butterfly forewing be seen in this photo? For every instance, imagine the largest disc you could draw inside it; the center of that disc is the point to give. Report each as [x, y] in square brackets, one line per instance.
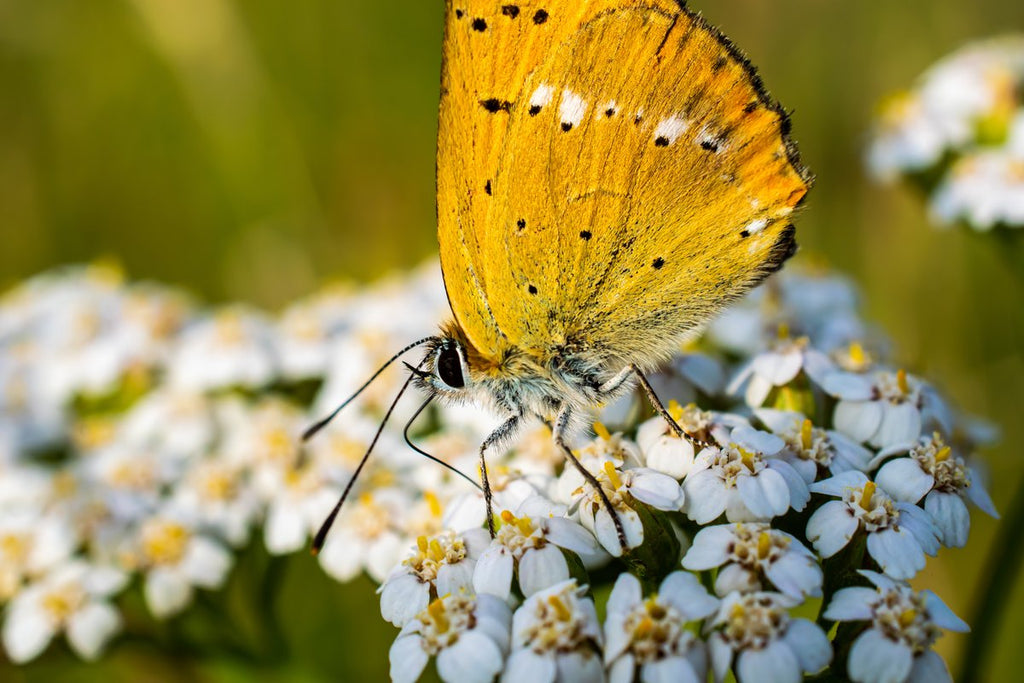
[607, 177]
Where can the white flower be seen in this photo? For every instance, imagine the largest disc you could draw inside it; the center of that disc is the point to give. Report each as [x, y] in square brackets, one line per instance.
[623, 489]
[72, 598]
[366, 535]
[555, 637]
[176, 558]
[902, 626]
[898, 534]
[885, 409]
[933, 472]
[778, 367]
[217, 492]
[297, 501]
[439, 566]
[468, 635]
[664, 450]
[810, 449]
[743, 480]
[983, 189]
[754, 634]
[649, 636]
[530, 548]
[233, 348]
[751, 554]
[31, 544]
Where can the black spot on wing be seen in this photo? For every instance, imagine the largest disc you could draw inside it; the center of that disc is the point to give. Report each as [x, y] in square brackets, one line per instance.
[531, 289]
[566, 126]
[521, 223]
[487, 187]
[585, 235]
[661, 141]
[511, 11]
[534, 110]
[658, 263]
[459, 14]
[479, 25]
[709, 145]
[609, 112]
[540, 16]
[494, 105]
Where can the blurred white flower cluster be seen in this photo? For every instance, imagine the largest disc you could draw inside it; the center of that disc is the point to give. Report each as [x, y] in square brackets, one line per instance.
[145, 440]
[960, 134]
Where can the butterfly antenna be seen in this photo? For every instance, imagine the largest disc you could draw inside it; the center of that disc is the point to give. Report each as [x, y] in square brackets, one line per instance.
[428, 456]
[321, 535]
[316, 427]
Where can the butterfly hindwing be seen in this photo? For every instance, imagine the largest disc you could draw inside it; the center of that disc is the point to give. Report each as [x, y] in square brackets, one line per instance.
[607, 178]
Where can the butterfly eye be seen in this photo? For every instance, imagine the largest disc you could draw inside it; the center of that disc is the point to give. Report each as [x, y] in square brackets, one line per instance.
[448, 367]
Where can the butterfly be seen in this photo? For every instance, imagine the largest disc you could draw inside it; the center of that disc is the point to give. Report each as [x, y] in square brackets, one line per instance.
[610, 174]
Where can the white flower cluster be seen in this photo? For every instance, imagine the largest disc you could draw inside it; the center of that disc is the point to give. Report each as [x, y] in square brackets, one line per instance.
[960, 133]
[170, 438]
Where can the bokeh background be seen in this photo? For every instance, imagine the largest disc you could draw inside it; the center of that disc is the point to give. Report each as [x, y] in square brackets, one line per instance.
[251, 150]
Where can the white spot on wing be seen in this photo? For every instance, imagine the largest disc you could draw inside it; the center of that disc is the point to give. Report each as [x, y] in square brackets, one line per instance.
[756, 226]
[541, 96]
[670, 128]
[572, 108]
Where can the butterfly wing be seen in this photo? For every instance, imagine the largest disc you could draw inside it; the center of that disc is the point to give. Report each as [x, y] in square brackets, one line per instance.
[608, 178]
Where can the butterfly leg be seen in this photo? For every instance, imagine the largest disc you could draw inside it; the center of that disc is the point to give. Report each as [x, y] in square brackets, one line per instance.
[558, 434]
[655, 401]
[504, 431]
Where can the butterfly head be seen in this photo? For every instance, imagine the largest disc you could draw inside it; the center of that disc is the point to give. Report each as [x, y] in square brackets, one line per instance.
[444, 371]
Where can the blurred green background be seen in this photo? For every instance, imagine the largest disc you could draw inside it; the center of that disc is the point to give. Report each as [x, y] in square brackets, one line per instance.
[250, 150]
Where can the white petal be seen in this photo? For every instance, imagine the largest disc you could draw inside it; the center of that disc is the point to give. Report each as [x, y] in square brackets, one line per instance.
[402, 598]
[408, 659]
[779, 368]
[383, 554]
[526, 665]
[796, 575]
[798, 493]
[579, 667]
[876, 659]
[705, 497]
[206, 563]
[849, 454]
[91, 627]
[567, 534]
[929, 667]
[455, 578]
[837, 485]
[851, 604]
[626, 594]
[710, 547]
[941, 615]
[951, 516]
[493, 572]
[473, 658]
[831, 527]
[721, 656]
[604, 529]
[494, 619]
[670, 455]
[847, 386]
[758, 441]
[541, 568]
[897, 552]
[26, 632]
[342, 556]
[285, 529]
[752, 493]
[904, 480]
[900, 423]
[656, 489]
[919, 523]
[810, 645]
[167, 592]
[736, 577]
[669, 670]
[622, 671]
[776, 663]
[685, 592]
[978, 494]
[858, 419]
